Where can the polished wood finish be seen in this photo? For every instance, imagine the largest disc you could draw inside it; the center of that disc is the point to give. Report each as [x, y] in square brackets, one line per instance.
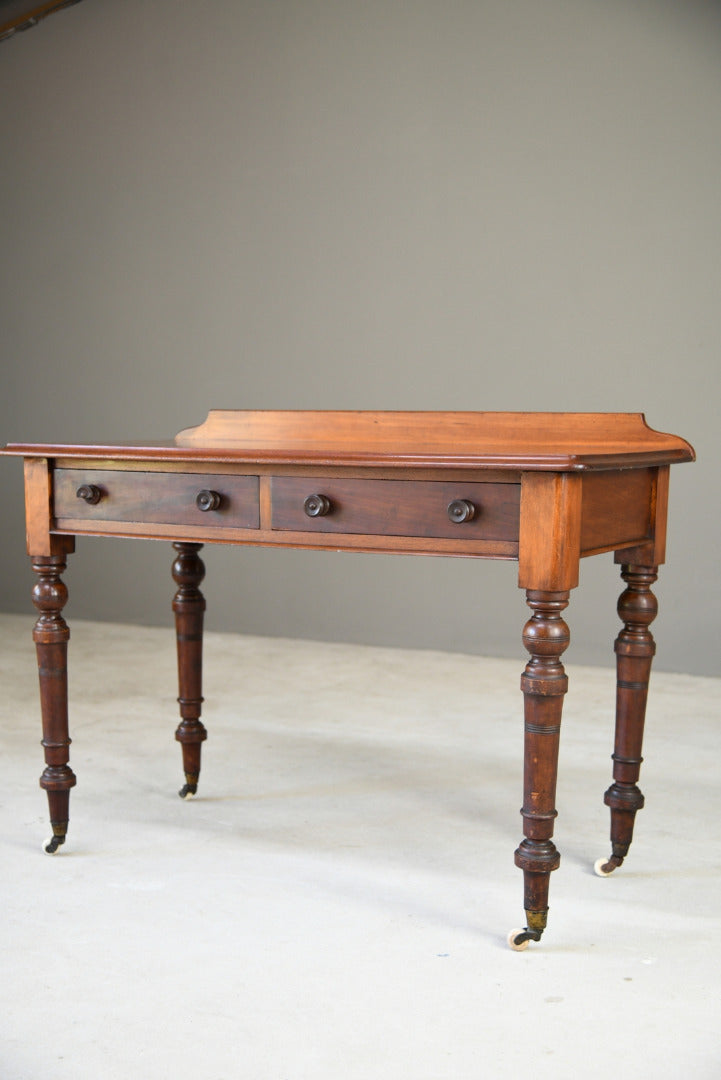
[157, 498]
[89, 493]
[550, 531]
[395, 507]
[459, 440]
[617, 511]
[546, 489]
[51, 636]
[544, 683]
[189, 610]
[528, 440]
[41, 539]
[635, 649]
[461, 510]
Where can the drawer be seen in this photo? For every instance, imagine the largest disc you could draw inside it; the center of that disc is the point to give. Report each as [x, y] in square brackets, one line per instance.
[453, 509]
[157, 498]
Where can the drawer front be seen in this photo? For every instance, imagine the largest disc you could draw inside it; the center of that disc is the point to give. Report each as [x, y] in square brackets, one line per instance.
[157, 498]
[396, 507]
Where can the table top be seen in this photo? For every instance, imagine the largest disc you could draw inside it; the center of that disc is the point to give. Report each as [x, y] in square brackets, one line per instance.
[557, 442]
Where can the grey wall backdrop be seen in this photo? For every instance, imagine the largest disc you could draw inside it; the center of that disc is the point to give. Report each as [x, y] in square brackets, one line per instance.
[491, 204]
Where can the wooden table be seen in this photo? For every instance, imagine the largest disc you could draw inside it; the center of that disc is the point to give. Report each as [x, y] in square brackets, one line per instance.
[545, 489]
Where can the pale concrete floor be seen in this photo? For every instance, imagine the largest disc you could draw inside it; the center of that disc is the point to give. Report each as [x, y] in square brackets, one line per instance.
[336, 901]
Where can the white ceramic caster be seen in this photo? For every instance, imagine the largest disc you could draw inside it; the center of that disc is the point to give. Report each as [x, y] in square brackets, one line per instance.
[51, 846]
[189, 795]
[599, 865]
[512, 941]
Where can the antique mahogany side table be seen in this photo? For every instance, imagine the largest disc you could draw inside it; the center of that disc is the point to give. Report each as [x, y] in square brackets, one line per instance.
[545, 489]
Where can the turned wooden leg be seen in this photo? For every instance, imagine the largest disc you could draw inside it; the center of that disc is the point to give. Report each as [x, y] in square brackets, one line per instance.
[51, 635]
[544, 682]
[635, 649]
[189, 606]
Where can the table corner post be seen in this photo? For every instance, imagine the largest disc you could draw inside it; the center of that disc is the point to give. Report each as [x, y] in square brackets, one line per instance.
[549, 555]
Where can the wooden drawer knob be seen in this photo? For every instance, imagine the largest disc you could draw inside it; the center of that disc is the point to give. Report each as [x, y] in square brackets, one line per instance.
[461, 510]
[317, 506]
[207, 500]
[89, 493]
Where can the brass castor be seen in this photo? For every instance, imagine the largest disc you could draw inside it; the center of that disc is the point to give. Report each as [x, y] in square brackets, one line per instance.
[605, 867]
[518, 939]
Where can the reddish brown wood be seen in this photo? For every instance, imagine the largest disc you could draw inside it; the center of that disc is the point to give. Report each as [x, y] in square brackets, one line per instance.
[618, 509]
[550, 531]
[189, 608]
[635, 648]
[535, 440]
[652, 552]
[559, 442]
[38, 511]
[544, 683]
[152, 497]
[319, 541]
[588, 482]
[395, 507]
[51, 635]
